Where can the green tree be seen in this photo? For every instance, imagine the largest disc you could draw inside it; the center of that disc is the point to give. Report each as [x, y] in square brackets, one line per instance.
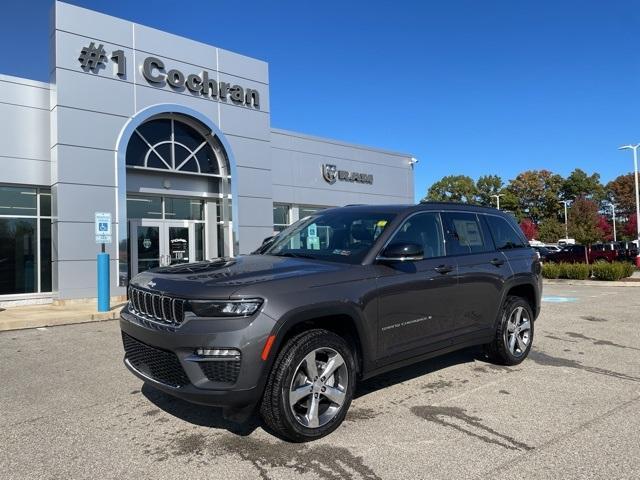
[452, 188]
[536, 194]
[579, 184]
[550, 230]
[583, 221]
[621, 191]
[486, 186]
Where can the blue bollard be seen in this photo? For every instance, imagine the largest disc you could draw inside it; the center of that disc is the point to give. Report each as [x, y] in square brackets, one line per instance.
[104, 291]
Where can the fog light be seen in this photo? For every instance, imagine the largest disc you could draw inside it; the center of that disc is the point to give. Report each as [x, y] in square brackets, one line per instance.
[218, 352]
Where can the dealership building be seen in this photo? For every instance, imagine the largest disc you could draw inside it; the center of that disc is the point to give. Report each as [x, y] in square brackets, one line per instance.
[172, 140]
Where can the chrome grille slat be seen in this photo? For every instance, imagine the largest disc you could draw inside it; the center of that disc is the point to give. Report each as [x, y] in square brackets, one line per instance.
[140, 296]
[148, 307]
[156, 300]
[178, 309]
[156, 307]
[167, 309]
[134, 300]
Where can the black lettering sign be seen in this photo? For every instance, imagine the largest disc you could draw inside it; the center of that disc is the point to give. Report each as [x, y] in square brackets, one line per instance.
[93, 58]
[150, 64]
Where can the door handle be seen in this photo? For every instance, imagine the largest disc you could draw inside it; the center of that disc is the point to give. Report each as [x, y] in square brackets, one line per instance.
[443, 269]
[497, 262]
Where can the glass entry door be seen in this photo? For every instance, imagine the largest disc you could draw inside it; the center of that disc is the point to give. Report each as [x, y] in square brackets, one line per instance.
[158, 243]
[180, 244]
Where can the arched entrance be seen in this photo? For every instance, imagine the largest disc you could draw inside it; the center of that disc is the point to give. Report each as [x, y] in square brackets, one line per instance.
[174, 191]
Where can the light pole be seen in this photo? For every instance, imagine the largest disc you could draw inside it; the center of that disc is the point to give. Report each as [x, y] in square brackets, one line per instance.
[497, 197]
[635, 169]
[613, 209]
[566, 225]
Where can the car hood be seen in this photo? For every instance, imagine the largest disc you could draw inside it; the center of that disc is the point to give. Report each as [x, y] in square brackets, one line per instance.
[220, 278]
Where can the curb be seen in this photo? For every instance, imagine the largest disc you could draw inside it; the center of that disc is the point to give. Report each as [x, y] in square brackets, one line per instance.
[592, 283]
[24, 323]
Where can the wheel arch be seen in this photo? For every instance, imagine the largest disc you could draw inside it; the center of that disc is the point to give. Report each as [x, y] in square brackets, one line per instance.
[525, 290]
[340, 319]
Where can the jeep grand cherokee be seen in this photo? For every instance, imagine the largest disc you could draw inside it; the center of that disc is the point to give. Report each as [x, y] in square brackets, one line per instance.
[339, 296]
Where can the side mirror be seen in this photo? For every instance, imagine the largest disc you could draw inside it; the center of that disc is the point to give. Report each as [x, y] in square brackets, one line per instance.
[402, 252]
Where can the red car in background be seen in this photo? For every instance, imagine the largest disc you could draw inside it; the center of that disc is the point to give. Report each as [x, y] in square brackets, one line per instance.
[585, 254]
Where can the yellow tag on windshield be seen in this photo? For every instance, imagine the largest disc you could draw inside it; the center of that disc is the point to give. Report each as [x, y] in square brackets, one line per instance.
[381, 223]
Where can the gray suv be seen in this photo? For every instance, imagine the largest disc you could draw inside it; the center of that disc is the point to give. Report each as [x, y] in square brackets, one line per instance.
[340, 296]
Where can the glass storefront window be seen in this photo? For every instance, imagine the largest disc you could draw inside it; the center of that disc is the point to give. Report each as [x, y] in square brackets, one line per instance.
[18, 201]
[183, 209]
[306, 211]
[199, 241]
[45, 253]
[18, 255]
[144, 207]
[174, 145]
[281, 219]
[45, 202]
[219, 211]
[25, 240]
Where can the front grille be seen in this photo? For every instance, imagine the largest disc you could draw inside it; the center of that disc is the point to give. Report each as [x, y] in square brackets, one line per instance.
[223, 371]
[157, 364]
[156, 307]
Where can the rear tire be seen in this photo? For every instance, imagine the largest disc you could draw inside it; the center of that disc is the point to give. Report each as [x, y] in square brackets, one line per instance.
[310, 386]
[514, 333]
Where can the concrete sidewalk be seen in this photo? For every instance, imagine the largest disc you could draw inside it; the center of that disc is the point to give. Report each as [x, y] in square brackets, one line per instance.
[32, 316]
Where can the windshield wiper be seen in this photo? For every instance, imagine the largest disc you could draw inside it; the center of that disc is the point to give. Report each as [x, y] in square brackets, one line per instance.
[294, 255]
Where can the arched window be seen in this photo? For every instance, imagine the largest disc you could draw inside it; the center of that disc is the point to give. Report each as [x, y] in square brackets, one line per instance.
[178, 144]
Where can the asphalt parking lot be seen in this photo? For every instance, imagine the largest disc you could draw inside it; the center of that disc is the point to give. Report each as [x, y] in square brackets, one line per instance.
[70, 410]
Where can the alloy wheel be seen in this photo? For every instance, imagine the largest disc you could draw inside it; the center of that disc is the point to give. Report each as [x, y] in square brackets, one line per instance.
[318, 388]
[518, 333]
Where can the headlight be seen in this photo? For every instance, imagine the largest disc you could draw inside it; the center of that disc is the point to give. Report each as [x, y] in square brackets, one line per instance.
[229, 308]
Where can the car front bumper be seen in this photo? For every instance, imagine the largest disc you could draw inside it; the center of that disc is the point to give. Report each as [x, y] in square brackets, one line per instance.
[165, 357]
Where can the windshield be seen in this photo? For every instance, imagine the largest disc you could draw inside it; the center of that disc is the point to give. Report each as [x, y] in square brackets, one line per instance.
[338, 236]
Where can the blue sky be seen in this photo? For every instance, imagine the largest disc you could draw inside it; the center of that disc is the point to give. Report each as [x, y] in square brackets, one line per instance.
[468, 87]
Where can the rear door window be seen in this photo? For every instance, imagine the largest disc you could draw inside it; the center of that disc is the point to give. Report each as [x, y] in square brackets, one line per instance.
[464, 234]
[504, 235]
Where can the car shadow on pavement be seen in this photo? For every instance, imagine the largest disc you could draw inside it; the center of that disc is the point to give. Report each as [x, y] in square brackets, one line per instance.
[201, 415]
[467, 355]
[212, 416]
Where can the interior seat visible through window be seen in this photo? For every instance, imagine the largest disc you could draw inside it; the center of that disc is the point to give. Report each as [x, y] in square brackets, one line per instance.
[424, 229]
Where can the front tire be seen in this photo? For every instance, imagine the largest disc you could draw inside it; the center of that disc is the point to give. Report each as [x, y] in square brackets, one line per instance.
[310, 386]
[514, 334]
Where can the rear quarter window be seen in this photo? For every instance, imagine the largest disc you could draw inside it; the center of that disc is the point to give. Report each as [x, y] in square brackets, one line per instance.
[504, 235]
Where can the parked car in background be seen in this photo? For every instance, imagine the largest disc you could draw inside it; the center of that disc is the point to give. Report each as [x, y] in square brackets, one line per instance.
[584, 254]
[552, 247]
[542, 252]
[628, 250]
[607, 248]
[566, 241]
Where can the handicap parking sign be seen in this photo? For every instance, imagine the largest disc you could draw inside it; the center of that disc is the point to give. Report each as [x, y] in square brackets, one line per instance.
[103, 227]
